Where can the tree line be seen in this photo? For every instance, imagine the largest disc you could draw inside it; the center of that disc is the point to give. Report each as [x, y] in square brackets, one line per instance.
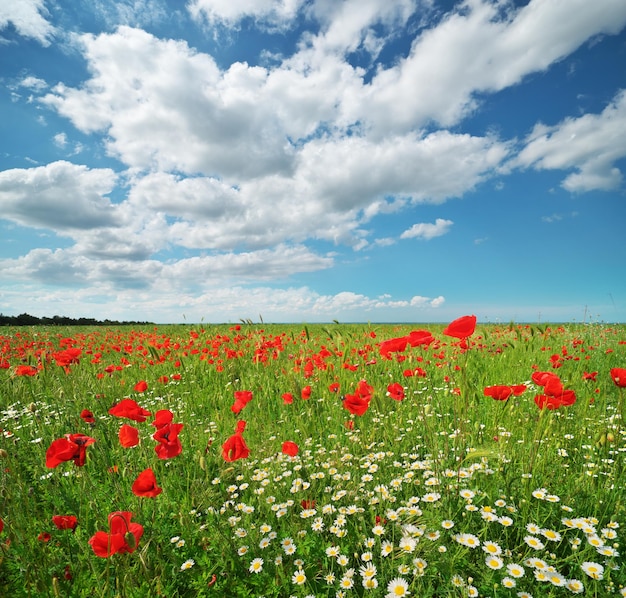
[28, 320]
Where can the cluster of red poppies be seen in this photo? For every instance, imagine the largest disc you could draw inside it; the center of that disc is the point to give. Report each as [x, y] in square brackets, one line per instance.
[123, 535]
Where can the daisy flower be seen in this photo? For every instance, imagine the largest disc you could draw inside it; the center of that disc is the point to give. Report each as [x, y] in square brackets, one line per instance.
[188, 564]
[534, 542]
[515, 570]
[492, 548]
[508, 582]
[397, 587]
[469, 540]
[494, 562]
[299, 577]
[256, 565]
[575, 586]
[593, 570]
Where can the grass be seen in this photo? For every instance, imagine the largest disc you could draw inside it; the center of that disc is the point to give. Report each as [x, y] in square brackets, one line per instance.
[446, 492]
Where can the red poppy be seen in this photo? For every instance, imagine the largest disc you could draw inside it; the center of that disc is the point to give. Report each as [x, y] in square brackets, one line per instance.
[393, 345]
[420, 337]
[619, 377]
[359, 402]
[242, 398]
[290, 448]
[71, 448]
[67, 357]
[145, 485]
[141, 386]
[123, 536]
[87, 416]
[503, 392]
[169, 444]
[334, 387]
[356, 404]
[1, 525]
[395, 391]
[65, 521]
[590, 376]
[162, 417]
[306, 393]
[462, 327]
[565, 399]
[129, 436]
[287, 398]
[235, 447]
[25, 370]
[44, 537]
[542, 378]
[129, 409]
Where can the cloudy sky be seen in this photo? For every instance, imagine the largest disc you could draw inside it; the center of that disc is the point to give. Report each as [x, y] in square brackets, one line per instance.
[313, 160]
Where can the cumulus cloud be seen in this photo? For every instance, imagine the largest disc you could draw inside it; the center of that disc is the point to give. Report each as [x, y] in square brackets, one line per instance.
[590, 145]
[60, 196]
[29, 19]
[427, 231]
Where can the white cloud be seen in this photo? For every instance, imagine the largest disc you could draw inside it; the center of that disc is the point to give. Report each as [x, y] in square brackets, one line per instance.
[271, 13]
[33, 83]
[59, 196]
[28, 18]
[427, 231]
[590, 144]
[479, 47]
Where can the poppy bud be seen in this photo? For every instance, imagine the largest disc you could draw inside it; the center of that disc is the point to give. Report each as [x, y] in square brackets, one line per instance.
[610, 437]
[32, 407]
[3, 454]
[427, 409]
[129, 538]
[202, 463]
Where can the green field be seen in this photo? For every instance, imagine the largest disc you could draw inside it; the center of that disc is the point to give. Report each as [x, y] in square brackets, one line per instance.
[401, 475]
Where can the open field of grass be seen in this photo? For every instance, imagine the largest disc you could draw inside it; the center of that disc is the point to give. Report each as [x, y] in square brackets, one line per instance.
[338, 460]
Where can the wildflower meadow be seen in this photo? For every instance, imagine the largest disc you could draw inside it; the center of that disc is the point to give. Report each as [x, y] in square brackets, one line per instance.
[336, 460]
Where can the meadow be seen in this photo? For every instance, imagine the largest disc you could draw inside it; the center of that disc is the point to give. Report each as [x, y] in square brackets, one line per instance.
[323, 460]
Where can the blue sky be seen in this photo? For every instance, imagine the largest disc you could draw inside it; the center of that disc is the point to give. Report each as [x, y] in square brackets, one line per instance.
[313, 160]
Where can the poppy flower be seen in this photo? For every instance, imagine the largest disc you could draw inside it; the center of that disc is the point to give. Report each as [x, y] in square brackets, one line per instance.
[393, 345]
[290, 448]
[356, 404]
[395, 391]
[1, 525]
[287, 398]
[242, 398]
[542, 378]
[462, 327]
[619, 377]
[565, 399]
[67, 357]
[235, 447]
[145, 485]
[71, 448]
[87, 416]
[162, 417]
[130, 409]
[590, 376]
[123, 536]
[334, 387]
[129, 436]
[65, 521]
[306, 393]
[44, 537]
[169, 444]
[141, 386]
[420, 337]
[502, 392]
[25, 370]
